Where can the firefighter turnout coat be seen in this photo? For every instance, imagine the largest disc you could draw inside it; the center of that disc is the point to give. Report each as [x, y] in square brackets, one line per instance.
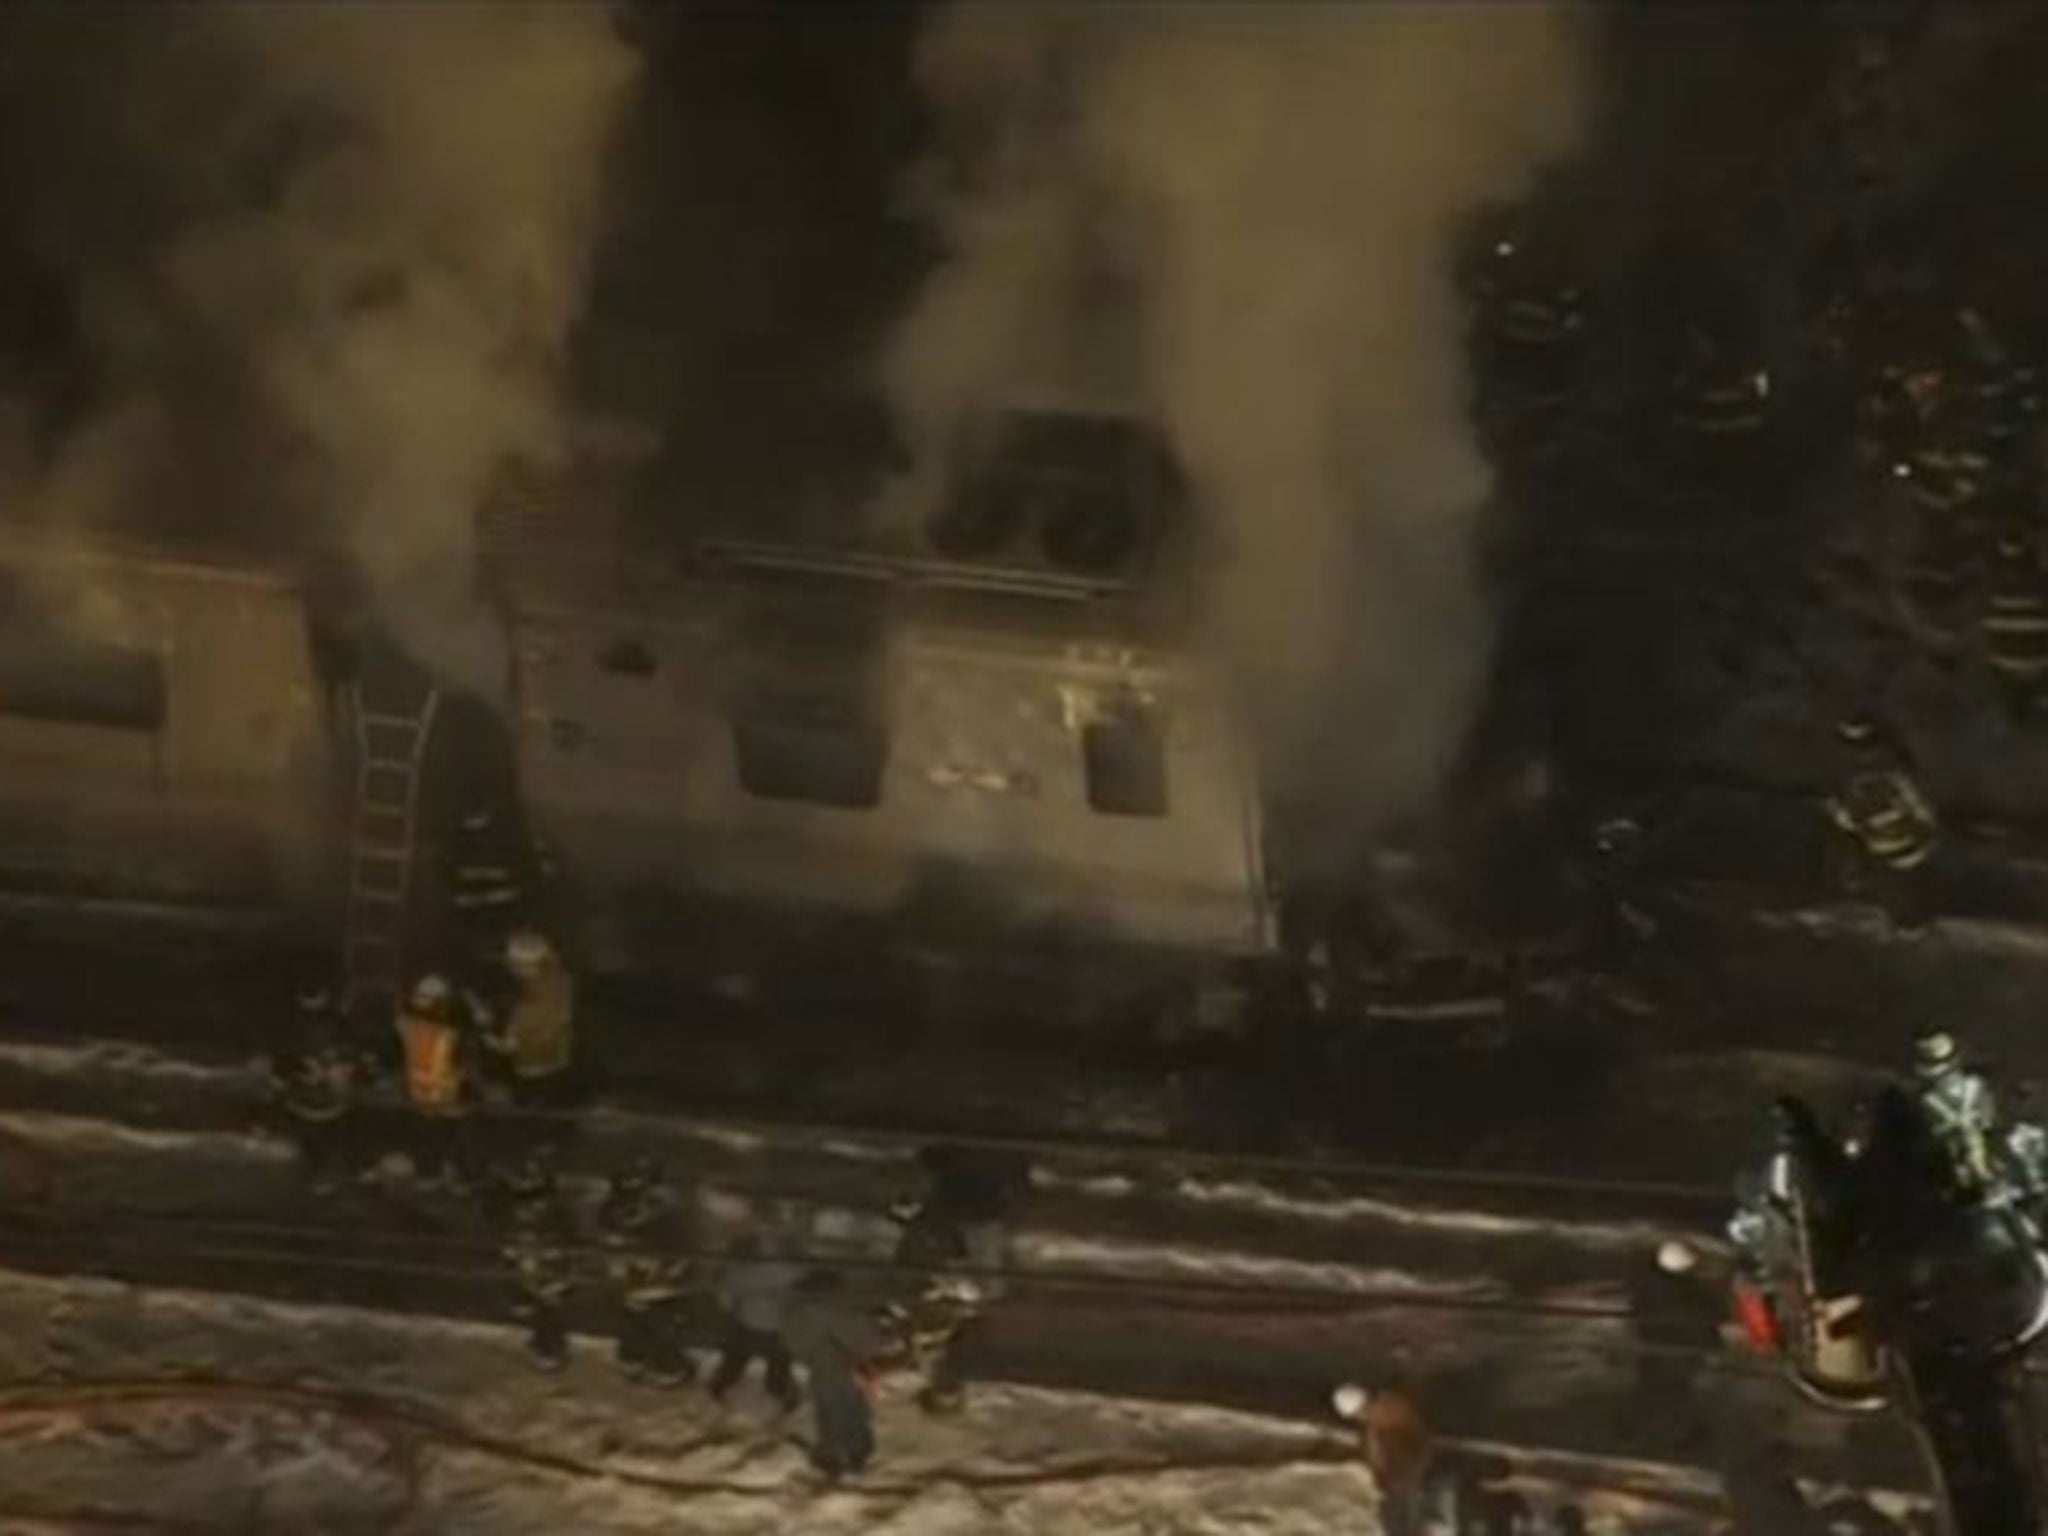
[538, 1035]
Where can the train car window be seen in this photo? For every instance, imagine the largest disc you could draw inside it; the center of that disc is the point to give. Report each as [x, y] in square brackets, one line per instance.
[628, 658]
[1124, 758]
[47, 673]
[818, 748]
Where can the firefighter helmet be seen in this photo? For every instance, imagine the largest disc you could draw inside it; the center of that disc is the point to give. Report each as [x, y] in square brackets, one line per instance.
[1349, 1400]
[1935, 1052]
[527, 951]
[431, 993]
[1676, 1258]
[637, 1177]
[532, 1177]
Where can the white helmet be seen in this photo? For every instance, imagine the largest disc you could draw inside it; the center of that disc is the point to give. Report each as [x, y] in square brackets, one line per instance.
[1349, 1400]
[431, 992]
[1676, 1258]
[527, 950]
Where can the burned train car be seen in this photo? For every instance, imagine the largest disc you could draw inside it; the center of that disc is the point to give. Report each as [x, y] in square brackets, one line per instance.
[163, 724]
[1002, 746]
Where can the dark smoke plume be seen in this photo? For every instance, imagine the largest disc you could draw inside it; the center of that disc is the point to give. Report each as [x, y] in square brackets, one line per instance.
[1268, 195]
[327, 257]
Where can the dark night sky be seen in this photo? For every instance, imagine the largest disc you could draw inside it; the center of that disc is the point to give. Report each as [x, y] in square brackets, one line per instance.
[756, 252]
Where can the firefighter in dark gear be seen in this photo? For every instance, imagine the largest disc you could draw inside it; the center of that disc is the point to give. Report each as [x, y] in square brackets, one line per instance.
[536, 1037]
[1960, 1112]
[1719, 396]
[1887, 830]
[653, 1280]
[1675, 1313]
[538, 1250]
[2007, 389]
[1943, 453]
[964, 1214]
[486, 889]
[315, 1092]
[933, 1328]
[1618, 923]
[433, 1031]
[1528, 344]
[2014, 626]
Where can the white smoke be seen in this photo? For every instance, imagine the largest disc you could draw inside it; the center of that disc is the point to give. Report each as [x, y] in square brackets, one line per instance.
[1283, 185]
[365, 228]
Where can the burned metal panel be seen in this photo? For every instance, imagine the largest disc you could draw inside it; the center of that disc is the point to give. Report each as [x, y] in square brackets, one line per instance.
[161, 726]
[942, 750]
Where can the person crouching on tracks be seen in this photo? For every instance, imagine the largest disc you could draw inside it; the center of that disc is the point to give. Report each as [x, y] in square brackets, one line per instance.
[434, 1028]
[315, 1091]
[640, 1236]
[536, 1036]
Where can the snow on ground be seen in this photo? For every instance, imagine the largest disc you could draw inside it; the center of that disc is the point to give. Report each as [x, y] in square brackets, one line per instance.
[215, 1413]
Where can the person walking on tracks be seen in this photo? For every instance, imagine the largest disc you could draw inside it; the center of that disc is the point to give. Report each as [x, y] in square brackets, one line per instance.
[636, 1222]
[755, 1296]
[836, 1342]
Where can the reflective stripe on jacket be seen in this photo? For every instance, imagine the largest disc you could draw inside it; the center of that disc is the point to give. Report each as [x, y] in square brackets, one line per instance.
[433, 1064]
[1884, 811]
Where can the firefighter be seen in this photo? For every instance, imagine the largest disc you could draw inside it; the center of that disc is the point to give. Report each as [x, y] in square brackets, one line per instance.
[1959, 1109]
[1675, 1313]
[1530, 334]
[1887, 829]
[537, 1249]
[1720, 398]
[933, 1330]
[652, 1279]
[1941, 456]
[2006, 387]
[432, 1031]
[2013, 628]
[964, 1215]
[316, 1092]
[537, 1036]
[1618, 923]
[485, 886]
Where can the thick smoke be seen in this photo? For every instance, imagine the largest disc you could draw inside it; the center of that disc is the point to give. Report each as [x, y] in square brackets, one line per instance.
[1282, 188]
[329, 256]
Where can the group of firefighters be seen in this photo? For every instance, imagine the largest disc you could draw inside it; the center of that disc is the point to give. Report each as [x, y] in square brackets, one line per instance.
[1948, 418]
[486, 1054]
[1956, 418]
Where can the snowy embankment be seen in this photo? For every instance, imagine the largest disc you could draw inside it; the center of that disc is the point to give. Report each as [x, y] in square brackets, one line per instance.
[204, 1412]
